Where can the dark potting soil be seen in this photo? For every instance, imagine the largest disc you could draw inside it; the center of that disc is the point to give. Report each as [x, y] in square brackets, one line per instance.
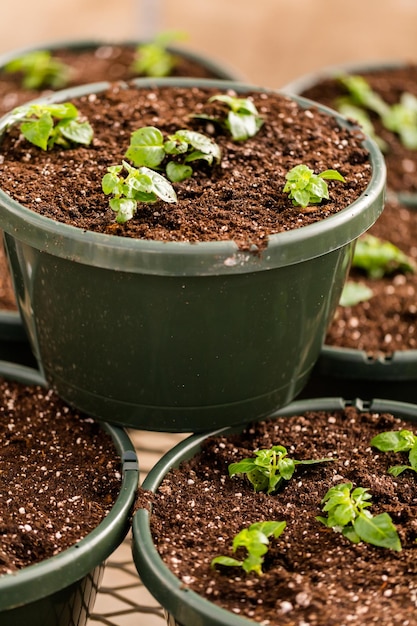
[390, 83]
[240, 199]
[59, 475]
[110, 62]
[312, 575]
[387, 322]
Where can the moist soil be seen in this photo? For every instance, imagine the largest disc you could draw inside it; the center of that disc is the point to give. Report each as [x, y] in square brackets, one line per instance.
[312, 575]
[387, 322]
[111, 63]
[59, 478]
[390, 84]
[240, 199]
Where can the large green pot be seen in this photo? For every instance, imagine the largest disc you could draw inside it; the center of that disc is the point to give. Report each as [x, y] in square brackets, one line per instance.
[184, 607]
[14, 345]
[177, 336]
[61, 590]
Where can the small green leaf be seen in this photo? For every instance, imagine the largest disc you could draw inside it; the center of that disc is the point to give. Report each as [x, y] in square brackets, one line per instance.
[243, 120]
[39, 69]
[38, 131]
[378, 257]
[378, 531]
[396, 470]
[124, 208]
[362, 94]
[146, 147]
[227, 561]
[161, 186]
[177, 172]
[401, 118]
[75, 131]
[353, 293]
[394, 441]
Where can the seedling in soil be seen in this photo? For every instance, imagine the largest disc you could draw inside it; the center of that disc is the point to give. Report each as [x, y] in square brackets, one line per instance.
[347, 513]
[362, 118]
[304, 187]
[378, 257]
[255, 540]
[401, 118]
[153, 58]
[361, 94]
[47, 125]
[140, 185]
[269, 468]
[39, 69]
[354, 293]
[398, 441]
[149, 149]
[242, 120]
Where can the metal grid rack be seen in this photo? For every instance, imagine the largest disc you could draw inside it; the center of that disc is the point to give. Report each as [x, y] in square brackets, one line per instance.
[122, 599]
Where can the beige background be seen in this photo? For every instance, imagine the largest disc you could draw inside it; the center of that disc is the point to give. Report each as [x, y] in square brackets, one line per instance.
[269, 41]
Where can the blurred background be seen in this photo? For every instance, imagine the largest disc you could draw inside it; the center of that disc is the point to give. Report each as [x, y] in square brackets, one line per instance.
[269, 41]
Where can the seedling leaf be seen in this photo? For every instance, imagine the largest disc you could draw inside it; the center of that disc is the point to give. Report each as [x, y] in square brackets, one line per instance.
[304, 187]
[353, 293]
[378, 257]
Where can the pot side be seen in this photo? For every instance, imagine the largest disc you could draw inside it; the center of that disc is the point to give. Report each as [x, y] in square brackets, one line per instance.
[175, 336]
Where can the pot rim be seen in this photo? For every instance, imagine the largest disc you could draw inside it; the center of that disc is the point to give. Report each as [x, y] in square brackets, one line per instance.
[183, 603]
[45, 578]
[201, 258]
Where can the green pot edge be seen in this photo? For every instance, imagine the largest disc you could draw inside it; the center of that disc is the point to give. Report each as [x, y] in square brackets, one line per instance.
[43, 579]
[186, 606]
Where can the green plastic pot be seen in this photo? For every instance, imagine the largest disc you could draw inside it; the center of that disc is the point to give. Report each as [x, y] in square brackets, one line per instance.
[299, 85]
[14, 345]
[346, 372]
[184, 607]
[176, 336]
[61, 590]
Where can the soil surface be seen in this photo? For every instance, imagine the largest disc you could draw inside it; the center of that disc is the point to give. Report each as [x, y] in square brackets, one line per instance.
[388, 321]
[240, 199]
[89, 65]
[390, 84]
[60, 475]
[312, 575]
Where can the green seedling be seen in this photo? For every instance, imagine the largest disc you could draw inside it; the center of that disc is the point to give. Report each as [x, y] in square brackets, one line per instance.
[362, 118]
[401, 118]
[242, 120]
[304, 187]
[255, 540]
[398, 441]
[46, 125]
[362, 95]
[378, 257]
[39, 69]
[148, 148]
[269, 468]
[348, 514]
[153, 59]
[139, 185]
[354, 293]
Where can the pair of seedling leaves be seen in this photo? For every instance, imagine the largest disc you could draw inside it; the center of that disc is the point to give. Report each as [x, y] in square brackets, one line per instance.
[346, 507]
[400, 118]
[40, 69]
